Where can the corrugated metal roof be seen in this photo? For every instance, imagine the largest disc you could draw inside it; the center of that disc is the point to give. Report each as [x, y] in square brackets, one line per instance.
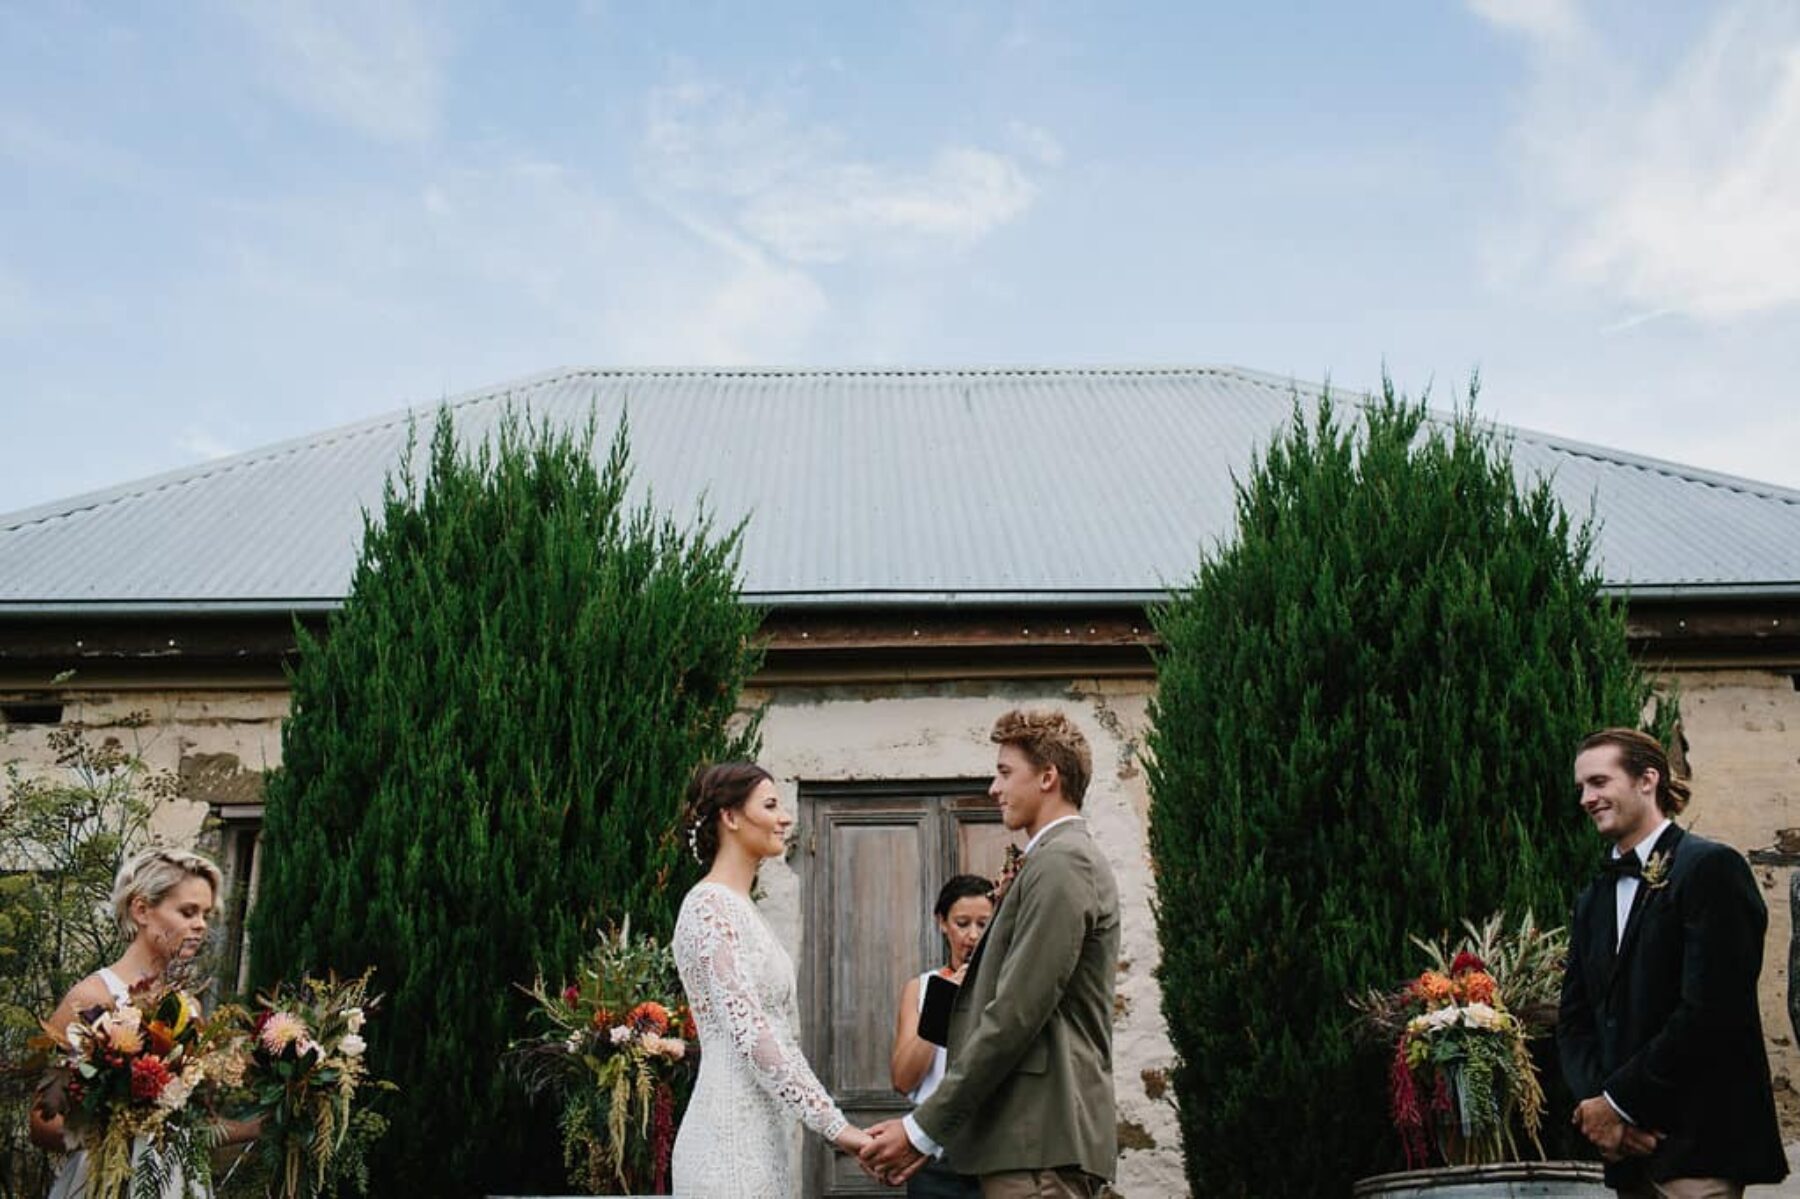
[863, 487]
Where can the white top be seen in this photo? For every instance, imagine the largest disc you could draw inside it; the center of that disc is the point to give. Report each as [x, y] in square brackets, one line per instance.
[935, 1075]
[120, 992]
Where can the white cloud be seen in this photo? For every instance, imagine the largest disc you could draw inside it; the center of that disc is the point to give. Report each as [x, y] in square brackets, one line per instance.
[1679, 193]
[1548, 20]
[199, 443]
[833, 212]
[375, 65]
[1037, 142]
[797, 192]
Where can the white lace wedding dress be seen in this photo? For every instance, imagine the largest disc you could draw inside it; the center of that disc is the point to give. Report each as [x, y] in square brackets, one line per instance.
[736, 1140]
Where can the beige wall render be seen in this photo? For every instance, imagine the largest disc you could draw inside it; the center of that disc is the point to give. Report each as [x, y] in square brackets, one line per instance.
[218, 743]
[1743, 751]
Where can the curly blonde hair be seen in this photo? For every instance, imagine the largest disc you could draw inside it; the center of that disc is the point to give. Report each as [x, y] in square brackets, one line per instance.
[1048, 738]
[152, 875]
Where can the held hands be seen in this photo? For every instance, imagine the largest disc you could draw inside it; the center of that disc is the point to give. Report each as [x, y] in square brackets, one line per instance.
[1615, 1139]
[852, 1140]
[889, 1157]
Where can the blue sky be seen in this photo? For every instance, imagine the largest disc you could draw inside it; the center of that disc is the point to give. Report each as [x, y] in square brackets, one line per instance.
[223, 225]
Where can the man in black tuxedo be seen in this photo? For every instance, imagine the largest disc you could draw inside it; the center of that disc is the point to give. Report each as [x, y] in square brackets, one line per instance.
[1659, 1031]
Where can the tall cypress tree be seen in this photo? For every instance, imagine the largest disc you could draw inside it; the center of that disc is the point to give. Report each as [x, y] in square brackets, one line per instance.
[1366, 710]
[485, 760]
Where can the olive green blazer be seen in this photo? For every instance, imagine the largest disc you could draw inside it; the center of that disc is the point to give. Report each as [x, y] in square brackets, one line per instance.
[1028, 1083]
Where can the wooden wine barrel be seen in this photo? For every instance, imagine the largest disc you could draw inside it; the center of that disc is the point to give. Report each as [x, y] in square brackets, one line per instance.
[1508, 1180]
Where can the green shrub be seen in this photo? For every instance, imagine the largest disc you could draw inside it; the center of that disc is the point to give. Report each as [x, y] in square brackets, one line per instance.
[485, 762]
[1367, 707]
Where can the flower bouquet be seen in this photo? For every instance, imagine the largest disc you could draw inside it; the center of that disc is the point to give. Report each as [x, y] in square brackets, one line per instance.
[1462, 1077]
[618, 1050]
[306, 1068]
[135, 1087]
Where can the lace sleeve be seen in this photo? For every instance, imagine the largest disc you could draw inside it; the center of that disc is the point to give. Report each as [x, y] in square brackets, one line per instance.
[721, 988]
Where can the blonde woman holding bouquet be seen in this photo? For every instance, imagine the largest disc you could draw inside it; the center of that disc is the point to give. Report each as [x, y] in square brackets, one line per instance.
[161, 901]
[754, 1084]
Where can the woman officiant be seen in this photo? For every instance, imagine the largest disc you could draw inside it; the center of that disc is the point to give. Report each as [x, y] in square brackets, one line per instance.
[963, 910]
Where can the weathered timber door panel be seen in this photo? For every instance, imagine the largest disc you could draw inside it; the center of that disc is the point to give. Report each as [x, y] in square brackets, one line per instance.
[873, 856]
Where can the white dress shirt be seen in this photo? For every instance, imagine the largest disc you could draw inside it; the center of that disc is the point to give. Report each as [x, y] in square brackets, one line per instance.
[1624, 894]
[1626, 889]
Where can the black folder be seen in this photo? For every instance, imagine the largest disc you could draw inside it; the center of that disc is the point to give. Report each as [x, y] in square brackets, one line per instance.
[934, 1017]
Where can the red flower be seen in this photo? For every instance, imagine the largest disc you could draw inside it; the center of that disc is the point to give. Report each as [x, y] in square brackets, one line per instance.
[1409, 1117]
[148, 1077]
[662, 1137]
[571, 994]
[1464, 962]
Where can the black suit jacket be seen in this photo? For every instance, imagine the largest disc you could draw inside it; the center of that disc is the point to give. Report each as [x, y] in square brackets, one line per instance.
[1668, 1025]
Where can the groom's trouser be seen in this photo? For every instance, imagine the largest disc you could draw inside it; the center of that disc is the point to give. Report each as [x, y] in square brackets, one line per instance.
[1070, 1182]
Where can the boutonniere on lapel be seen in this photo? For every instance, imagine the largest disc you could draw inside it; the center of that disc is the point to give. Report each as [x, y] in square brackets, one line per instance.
[1656, 871]
[1009, 870]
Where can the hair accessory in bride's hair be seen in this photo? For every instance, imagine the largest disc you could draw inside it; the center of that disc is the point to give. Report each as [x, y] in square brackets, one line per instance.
[694, 841]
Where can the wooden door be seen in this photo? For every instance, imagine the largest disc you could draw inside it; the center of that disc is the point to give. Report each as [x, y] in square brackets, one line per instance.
[874, 856]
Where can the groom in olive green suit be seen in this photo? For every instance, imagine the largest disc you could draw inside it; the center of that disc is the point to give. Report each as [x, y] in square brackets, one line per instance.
[1026, 1102]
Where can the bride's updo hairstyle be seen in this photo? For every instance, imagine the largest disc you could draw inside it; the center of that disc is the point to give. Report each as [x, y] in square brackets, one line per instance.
[712, 790]
[151, 875]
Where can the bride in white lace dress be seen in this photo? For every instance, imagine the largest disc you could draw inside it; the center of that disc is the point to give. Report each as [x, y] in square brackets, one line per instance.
[735, 1141]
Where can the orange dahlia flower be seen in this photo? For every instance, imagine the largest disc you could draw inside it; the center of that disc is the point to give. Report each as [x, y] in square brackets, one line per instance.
[1478, 986]
[652, 1016]
[1435, 987]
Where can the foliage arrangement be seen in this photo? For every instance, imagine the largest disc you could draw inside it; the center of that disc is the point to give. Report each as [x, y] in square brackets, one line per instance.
[1367, 705]
[1462, 1077]
[306, 1068]
[619, 1052]
[138, 1088]
[485, 760]
[63, 836]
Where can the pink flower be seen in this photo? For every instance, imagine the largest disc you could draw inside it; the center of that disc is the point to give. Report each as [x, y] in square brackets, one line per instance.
[571, 994]
[281, 1030]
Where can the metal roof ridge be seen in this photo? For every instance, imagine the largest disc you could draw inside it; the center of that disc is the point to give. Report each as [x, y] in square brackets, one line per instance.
[523, 386]
[1660, 466]
[183, 475]
[213, 468]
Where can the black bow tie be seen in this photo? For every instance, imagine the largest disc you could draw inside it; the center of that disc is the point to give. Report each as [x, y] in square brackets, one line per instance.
[1626, 865]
